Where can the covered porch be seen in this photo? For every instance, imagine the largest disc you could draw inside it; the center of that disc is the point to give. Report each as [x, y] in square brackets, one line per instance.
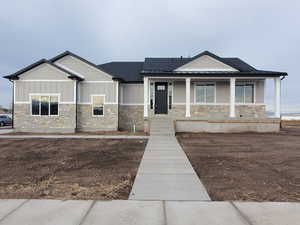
[212, 104]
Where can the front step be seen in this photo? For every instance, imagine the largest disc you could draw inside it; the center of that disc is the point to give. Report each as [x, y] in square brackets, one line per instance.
[162, 127]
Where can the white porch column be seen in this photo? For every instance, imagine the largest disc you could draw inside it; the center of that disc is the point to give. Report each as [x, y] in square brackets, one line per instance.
[145, 96]
[188, 97]
[232, 97]
[277, 88]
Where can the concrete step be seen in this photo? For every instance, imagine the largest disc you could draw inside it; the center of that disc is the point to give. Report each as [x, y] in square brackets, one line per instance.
[162, 127]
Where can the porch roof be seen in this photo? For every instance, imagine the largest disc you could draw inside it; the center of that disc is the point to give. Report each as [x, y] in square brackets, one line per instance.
[212, 74]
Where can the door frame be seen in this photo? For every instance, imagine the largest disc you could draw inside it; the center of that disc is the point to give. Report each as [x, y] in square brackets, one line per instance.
[169, 88]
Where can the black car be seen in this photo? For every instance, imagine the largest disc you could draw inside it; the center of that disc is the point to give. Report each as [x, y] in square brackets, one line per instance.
[5, 120]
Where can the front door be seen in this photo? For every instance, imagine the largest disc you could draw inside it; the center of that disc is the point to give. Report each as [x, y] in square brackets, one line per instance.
[161, 98]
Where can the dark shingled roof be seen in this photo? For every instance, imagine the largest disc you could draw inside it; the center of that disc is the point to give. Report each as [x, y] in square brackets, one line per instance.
[170, 64]
[127, 71]
[135, 71]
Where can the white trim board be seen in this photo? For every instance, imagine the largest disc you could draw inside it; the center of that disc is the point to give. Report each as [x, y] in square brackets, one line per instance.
[45, 80]
[103, 81]
[132, 104]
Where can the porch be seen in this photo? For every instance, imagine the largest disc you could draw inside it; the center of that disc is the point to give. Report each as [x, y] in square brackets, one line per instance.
[206, 104]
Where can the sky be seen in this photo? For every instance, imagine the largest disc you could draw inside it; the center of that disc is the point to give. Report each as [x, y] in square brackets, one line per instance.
[265, 34]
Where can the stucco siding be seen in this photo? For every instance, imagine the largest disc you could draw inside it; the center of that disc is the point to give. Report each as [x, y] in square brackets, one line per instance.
[179, 92]
[85, 91]
[222, 91]
[44, 72]
[89, 72]
[132, 93]
[260, 91]
[23, 88]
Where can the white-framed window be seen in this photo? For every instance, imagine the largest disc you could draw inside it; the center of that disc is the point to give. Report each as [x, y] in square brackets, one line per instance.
[98, 105]
[170, 94]
[151, 95]
[244, 93]
[44, 105]
[205, 93]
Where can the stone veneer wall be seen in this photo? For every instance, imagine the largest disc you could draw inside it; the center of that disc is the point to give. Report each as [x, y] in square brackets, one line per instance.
[24, 122]
[129, 115]
[215, 111]
[87, 122]
[250, 111]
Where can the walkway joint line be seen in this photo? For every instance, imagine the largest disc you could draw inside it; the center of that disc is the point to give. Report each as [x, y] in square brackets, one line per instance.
[241, 214]
[14, 210]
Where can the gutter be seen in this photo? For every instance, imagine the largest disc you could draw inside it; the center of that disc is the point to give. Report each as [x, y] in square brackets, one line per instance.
[283, 77]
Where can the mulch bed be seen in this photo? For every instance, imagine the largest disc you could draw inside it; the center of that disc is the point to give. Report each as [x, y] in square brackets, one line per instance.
[247, 166]
[101, 169]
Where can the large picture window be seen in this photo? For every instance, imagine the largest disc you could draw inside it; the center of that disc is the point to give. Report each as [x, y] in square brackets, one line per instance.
[44, 105]
[244, 93]
[98, 105]
[205, 93]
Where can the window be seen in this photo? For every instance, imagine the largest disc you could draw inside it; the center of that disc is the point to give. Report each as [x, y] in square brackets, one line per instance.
[205, 93]
[170, 89]
[98, 105]
[151, 95]
[53, 105]
[44, 105]
[244, 93]
[35, 105]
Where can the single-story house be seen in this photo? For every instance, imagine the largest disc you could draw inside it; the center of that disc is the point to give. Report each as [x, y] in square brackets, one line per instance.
[201, 93]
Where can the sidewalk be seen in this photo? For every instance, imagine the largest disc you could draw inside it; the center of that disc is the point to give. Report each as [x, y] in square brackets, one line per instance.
[56, 212]
[73, 136]
[165, 172]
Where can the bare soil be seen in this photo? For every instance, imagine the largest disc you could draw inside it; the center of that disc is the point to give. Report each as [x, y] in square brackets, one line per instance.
[247, 166]
[101, 169]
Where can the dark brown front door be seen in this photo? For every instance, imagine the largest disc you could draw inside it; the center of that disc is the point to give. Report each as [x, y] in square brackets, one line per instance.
[161, 98]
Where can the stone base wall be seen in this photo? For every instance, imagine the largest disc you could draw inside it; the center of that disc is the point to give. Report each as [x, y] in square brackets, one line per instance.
[87, 122]
[63, 123]
[130, 115]
[228, 126]
[214, 111]
[250, 111]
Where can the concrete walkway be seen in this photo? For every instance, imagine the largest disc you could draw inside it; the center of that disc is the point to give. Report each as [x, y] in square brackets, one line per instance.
[73, 136]
[165, 172]
[56, 212]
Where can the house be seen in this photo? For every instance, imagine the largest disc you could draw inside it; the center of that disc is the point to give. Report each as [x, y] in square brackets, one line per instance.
[201, 93]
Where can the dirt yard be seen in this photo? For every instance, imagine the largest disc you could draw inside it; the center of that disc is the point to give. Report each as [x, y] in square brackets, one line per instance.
[69, 168]
[247, 167]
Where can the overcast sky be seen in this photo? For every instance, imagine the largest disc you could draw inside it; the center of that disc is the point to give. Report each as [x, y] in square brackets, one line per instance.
[264, 33]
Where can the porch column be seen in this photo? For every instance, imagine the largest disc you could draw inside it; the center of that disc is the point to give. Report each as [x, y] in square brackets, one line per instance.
[188, 97]
[145, 96]
[277, 96]
[232, 97]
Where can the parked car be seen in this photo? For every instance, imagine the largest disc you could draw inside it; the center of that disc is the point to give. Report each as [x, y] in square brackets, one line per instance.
[5, 120]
